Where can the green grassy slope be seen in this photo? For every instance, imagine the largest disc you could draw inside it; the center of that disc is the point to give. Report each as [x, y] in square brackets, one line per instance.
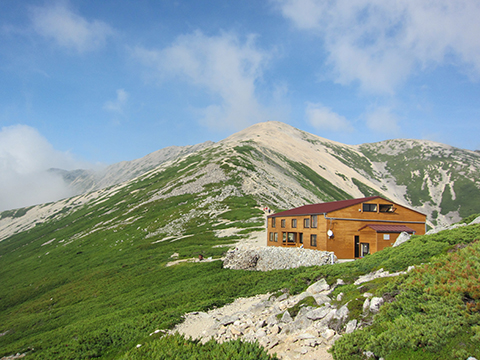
[93, 283]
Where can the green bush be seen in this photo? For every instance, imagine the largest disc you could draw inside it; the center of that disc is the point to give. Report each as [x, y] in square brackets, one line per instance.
[438, 307]
[177, 347]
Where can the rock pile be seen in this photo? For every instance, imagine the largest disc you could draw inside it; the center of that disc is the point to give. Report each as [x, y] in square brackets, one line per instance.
[299, 326]
[275, 258]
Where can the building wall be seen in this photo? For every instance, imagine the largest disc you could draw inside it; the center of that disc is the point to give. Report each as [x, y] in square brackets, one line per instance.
[319, 232]
[345, 225]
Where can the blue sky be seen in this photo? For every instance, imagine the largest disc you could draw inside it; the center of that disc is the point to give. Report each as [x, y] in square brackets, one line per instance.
[88, 82]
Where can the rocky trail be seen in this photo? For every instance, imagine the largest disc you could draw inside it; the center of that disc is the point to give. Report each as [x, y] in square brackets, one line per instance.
[302, 326]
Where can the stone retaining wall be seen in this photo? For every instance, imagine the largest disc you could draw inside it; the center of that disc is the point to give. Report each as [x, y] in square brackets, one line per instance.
[275, 258]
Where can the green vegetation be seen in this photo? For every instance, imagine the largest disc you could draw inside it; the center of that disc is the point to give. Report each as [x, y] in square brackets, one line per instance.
[365, 189]
[176, 347]
[434, 316]
[89, 299]
[469, 219]
[466, 198]
[317, 184]
[352, 159]
[16, 213]
[92, 282]
[418, 168]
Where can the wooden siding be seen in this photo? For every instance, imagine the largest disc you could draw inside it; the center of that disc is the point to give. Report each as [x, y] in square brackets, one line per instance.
[346, 224]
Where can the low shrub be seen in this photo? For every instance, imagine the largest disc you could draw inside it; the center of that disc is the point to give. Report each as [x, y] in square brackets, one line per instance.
[177, 347]
[438, 306]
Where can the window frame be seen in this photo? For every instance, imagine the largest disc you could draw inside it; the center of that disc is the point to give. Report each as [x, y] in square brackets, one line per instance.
[314, 221]
[313, 240]
[291, 238]
[294, 223]
[306, 223]
[368, 207]
[386, 208]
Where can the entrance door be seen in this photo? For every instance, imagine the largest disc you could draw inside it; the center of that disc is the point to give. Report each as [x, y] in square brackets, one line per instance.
[357, 246]
[365, 248]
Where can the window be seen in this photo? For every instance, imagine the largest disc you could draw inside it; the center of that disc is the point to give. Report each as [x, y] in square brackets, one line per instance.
[313, 240]
[300, 238]
[386, 208]
[283, 223]
[284, 237]
[314, 221]
[370, 207]
[274, 237]
[306, 223]
[294, 223]
[386, 236]
[291, 237]
[273, 222]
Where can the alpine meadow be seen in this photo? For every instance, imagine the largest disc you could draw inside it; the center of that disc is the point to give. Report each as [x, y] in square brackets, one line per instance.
[87, 276]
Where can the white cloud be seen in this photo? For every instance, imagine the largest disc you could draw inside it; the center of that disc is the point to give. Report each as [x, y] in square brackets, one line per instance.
[224, 66]
[380, 43]
[68, 29]
[25, 155]
[117, 105]
[382, 120]
[323, 118]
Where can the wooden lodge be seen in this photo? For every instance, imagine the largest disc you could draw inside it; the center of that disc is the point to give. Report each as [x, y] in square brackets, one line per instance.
[350, 228]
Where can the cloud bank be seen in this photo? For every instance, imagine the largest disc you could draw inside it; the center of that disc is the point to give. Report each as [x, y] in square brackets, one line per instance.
[58, 22]
[117, 105]
[382, 120]
[380, 43]
[25, 155]
[323, 118]
[224, 66]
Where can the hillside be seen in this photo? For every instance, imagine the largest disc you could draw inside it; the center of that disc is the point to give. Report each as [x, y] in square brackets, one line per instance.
[436, 179]
[85, 277]
[84, 181]
[283, 167]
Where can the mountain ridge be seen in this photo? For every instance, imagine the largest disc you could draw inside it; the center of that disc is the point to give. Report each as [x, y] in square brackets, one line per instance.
[87, 276]
[285, 167]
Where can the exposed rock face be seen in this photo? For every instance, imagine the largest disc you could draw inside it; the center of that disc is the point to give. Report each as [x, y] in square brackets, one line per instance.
[274, 258]
[267, 319]
[403, 237]
[306, 333]
[380, 273]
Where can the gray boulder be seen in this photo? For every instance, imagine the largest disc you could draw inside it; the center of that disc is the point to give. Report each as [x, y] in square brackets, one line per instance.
[318, 287]
[351, 326]
[318, 314]
[286, 318]
[403, 237]
[375, 304]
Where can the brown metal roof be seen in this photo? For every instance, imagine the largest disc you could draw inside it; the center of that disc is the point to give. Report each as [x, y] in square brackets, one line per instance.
[380, 228]
[323, 208]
